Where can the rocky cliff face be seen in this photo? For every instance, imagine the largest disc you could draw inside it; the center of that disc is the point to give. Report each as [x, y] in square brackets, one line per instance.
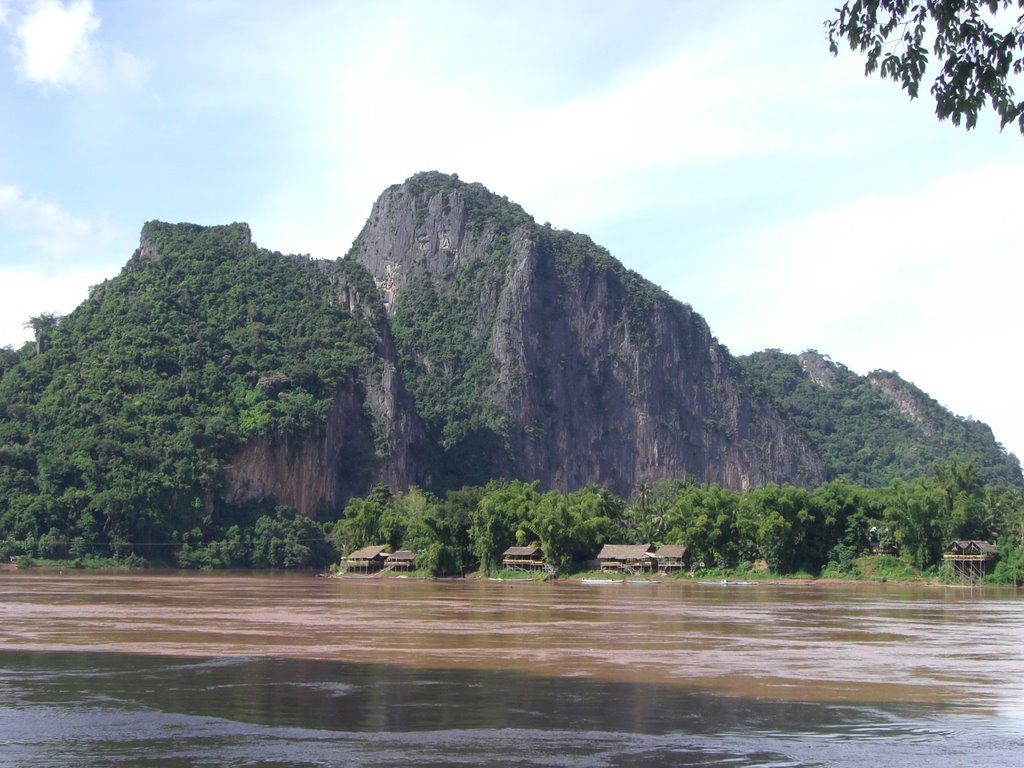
[329, 466]
[371, 434]
[416, 232]
[586, 372]
[908, 400]
[818, 369]
[617, 386]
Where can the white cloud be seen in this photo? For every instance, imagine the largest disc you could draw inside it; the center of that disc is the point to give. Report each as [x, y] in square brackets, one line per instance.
[53, 234]
[602, 146]
[924, 282]
[853, 266]
[55, 45]
[54, 41]
[27, 293]
[49, 258]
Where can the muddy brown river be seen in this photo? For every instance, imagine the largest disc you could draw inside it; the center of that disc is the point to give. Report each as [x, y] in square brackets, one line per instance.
[295, 670]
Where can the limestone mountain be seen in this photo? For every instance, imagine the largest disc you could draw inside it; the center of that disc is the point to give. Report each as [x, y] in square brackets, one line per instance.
[214, 384]
[531, 352]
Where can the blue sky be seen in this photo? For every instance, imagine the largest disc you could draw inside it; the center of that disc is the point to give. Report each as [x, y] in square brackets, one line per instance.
[717, 149]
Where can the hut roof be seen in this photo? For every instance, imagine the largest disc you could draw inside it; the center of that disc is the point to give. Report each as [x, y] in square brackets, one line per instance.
[671, 550]
[971, 547]
[625, 552]
[404, 555]
[522, 551]
[369, 553]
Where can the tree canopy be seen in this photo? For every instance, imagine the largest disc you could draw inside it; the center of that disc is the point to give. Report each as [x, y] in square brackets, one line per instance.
[977, 43]
[115, 430]
[873, 429]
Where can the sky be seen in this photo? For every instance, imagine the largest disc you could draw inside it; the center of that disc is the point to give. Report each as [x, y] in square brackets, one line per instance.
[718, 149]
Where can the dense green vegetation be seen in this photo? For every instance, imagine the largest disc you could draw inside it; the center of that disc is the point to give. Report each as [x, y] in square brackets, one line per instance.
[823, 531]
[113, 431]
[779, 530]
[447, 365]
[861, 432]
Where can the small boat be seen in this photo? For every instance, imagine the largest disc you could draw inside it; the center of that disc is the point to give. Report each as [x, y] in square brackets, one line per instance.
[344, 575]
[601, 581]
[643, 581]
[727, 583]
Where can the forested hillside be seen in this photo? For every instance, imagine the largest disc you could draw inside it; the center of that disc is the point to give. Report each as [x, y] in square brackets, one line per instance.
[876, 428]
[120, 428]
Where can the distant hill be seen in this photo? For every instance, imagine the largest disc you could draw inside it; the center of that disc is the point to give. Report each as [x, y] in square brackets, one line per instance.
[872, 429]
[458, 341]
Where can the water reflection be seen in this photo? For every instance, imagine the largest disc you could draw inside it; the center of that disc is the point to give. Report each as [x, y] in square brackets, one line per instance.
[256, 670]
[108, 709]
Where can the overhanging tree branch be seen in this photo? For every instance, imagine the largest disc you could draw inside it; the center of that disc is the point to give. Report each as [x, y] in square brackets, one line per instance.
[977, 56]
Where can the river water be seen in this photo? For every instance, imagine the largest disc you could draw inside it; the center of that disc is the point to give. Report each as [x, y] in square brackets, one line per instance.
[283, 670]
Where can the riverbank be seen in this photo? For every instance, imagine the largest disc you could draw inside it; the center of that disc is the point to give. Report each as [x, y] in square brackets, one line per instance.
[869, 569]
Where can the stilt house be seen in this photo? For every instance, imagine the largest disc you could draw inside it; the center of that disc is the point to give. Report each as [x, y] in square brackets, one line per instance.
[402, 560]
[969, 559]
[523, 559]
[671, 558]
[627, 558]
[366, 560]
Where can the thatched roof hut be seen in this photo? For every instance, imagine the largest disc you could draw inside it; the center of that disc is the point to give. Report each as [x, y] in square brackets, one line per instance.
[671, 557]
[523, 558]
[371, 558]
[626, 557]
[968, 559]
[402, 560]
[972, 547]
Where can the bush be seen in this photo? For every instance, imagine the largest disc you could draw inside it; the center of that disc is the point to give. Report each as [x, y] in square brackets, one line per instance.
[1010, 568]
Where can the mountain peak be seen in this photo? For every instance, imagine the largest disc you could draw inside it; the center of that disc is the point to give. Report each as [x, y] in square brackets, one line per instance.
[433, 225]
[159, 237]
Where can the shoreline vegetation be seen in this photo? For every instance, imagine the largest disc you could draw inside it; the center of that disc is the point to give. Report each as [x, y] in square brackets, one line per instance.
[837, 531]
[871, 569]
